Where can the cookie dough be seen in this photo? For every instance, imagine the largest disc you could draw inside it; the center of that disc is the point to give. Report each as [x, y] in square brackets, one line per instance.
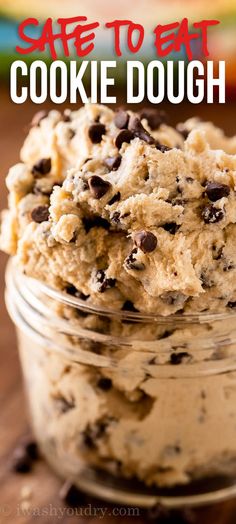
[126, 208]
[123, 211]
[158, 405]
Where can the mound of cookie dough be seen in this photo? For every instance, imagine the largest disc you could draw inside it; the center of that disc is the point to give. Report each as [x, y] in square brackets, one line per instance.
[125, 211]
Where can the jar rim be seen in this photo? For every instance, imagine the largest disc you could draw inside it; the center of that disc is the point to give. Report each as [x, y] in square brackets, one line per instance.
[88, 307]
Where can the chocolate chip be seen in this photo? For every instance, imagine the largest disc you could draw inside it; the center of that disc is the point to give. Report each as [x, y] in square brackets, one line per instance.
[63, 404]
[171, 227]
[215, 191]
[228, 266]
[74, 292]
[85, 185]
[40, 115]
[96, 131]
[123, 136]
[105, 283]
[114, 199]
[24, 454]
[146, 241]
[81, 314]
[95, 347]
[217, 253]
[31, 448]
[42, 167]
[162, 147]
[87, 160]
[95, 221]
[176, 358]
[231, 305]
[132, 263]
[71, 133]
[154, 117]
[104, 383]
[206, 282]
[98, 186]
[71, 290]
[136, 127]
[121, 119]
[21, 462]
[211, 214]
[129, 306]
[178, 201]
[94, 432]
[167, 333]
[40, 214]
[152, 361]
[173, 450]
[115, 218]
[88, 441]
[113, 162]
[71, 495]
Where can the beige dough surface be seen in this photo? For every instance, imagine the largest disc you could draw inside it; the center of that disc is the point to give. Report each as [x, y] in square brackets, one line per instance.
[89, 238]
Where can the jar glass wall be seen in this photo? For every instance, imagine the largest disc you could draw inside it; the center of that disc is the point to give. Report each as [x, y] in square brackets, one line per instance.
[136, 409]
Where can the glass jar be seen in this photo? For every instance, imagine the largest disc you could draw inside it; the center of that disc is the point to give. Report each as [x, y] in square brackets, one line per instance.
[135, 409]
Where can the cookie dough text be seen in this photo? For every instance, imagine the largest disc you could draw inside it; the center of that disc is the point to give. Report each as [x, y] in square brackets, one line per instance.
[154, 82]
